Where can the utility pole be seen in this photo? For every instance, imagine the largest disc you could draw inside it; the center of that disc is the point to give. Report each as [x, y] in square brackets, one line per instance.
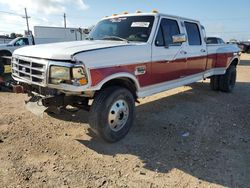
[27, 20]
[65, 23]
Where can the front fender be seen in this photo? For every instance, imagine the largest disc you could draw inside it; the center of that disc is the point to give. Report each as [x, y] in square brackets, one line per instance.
[5, 52]
[120, 75]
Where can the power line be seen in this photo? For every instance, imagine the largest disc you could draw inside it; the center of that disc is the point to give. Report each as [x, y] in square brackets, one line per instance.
[23, 16]
[12, 13]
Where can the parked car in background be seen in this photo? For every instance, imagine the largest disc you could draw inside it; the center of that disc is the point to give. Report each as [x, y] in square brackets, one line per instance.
[244, 46]
[214, 40]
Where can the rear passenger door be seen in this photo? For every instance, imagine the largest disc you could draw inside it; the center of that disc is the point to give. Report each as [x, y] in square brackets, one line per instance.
[168, 59]
[196, 49]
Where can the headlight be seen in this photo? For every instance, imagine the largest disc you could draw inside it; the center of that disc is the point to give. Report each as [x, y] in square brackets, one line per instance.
[68, 75]
[59, 74]
[79, 76]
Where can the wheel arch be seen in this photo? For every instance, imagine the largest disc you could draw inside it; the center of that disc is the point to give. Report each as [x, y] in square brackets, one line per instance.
[235, 61]
[5, 52]
[125, 80]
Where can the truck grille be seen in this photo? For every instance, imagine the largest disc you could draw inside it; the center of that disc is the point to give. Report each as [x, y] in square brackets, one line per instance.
[29, 70]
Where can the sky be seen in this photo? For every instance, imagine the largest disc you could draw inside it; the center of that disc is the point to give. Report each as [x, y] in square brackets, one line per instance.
[229, 19]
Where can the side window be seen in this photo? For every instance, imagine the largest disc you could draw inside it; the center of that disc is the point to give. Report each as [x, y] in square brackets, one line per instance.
[167, 30]
[22, 42]
[159, 38]
[193, 32]
[26, 41]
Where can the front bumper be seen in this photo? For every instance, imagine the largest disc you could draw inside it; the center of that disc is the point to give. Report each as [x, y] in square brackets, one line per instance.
[38, 105]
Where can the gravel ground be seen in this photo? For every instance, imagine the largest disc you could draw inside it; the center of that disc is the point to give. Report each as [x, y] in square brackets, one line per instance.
[186, 137]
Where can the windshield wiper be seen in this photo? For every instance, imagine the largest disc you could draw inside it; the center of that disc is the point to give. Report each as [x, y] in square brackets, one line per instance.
[115, 38]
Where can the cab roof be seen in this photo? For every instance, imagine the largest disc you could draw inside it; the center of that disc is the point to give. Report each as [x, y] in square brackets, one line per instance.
[149, 14]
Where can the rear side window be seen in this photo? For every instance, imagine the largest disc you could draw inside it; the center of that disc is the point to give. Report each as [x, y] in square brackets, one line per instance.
[193, 32]
[167, 30]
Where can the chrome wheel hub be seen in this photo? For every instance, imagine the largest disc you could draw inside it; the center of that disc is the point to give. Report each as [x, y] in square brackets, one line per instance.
[118, 115]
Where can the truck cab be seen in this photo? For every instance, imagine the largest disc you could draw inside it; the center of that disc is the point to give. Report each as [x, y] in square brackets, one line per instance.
[126, 57]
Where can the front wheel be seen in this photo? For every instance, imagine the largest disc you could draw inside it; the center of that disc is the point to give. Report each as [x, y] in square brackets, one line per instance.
[112, 113]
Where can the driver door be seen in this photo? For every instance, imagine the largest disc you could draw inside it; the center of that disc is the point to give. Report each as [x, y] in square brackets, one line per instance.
[168, 58]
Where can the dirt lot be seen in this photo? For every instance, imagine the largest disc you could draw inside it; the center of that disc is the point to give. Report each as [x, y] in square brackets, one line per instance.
[186, 137]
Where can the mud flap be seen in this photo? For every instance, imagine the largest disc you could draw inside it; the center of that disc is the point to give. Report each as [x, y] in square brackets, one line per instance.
[35, 106]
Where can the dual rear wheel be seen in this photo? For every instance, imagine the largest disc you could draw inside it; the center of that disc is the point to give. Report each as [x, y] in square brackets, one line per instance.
[224, 82]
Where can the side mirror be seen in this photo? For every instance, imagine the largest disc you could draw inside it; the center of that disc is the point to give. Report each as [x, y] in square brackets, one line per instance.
[205, 39]
[179, 38]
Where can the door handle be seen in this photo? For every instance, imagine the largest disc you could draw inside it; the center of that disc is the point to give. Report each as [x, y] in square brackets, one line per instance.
[203, 51]
[183, 52]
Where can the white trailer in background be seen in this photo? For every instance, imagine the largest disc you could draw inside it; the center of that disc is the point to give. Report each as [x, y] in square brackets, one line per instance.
[58, 33]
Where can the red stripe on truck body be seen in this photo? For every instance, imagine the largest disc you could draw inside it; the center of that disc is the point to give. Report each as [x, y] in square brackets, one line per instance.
[219, 60]
[162, 71]
[97, 75]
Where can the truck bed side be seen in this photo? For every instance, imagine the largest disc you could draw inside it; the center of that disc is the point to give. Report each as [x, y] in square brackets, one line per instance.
[221, 55]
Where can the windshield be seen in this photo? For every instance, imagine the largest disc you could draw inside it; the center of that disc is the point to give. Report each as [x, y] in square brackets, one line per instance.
[133, 28]
[13, 42]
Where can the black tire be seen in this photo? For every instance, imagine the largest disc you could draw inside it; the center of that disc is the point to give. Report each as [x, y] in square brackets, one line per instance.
[110, 107]
[248, 50]
[1, 67]
[215, 83]
[228, 80]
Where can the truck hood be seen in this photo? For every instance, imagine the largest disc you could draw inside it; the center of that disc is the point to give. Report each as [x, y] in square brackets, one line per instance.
[65, 50]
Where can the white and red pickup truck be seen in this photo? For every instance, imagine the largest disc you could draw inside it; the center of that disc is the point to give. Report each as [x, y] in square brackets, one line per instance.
[126, 57]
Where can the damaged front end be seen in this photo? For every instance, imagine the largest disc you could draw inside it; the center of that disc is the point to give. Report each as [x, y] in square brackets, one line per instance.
[50, 100]
[51, 85]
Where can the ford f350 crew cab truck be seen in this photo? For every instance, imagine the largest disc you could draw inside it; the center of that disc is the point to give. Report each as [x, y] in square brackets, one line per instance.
[126, 57]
